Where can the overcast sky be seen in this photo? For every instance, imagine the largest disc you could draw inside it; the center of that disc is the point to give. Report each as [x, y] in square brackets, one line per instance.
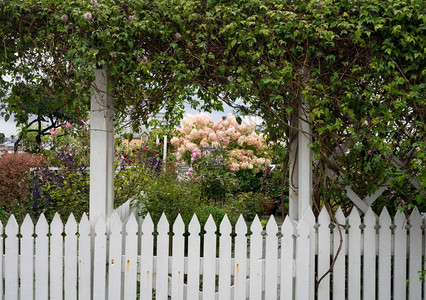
[9, 127]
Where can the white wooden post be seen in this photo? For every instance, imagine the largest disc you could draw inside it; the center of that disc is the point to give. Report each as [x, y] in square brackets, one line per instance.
[300, 166]
[165, 149]
[101, 148]
[304, 158]
[293, 176]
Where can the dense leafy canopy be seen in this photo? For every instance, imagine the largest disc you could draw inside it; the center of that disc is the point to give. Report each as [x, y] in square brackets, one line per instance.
[360, 65]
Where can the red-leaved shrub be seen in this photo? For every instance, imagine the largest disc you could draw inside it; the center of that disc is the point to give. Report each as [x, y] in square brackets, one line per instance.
[15, 180]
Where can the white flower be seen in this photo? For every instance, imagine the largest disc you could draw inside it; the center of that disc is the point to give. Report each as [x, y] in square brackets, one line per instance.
[64, 18]
[88, 16]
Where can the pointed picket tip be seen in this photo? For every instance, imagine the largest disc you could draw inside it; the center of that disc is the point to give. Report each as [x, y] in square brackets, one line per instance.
[11, 223]
[194, 226]
[56, 227]
[42, 223]
[84, 219]
[370, 218]
[56, 218]
[147, 224]
[225, 225]
[178, 225]
[400, 219]
[71, 220]
[339, 215]
[241, 226]
[308, 216]
[163, 224]
[27, 227]
[256, 226]
[324, 217]
[115, 224]
[272, 225]
[354, 216]
[27, 221]
[415, 218]
[385, 219]
[132, 222]
[307, 219]
[210, 225]
[288, 226]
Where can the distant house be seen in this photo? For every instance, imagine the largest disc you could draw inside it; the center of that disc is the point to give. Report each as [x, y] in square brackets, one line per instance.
[138, 140]
[143, 137]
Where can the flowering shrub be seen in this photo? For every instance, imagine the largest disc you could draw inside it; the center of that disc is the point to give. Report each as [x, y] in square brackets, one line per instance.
[15, 182]
[244, 148]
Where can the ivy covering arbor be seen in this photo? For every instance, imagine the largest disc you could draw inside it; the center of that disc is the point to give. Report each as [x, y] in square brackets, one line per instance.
[358, 68]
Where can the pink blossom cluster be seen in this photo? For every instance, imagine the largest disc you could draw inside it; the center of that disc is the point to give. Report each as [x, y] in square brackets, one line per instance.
[246, 159]
[200, 131]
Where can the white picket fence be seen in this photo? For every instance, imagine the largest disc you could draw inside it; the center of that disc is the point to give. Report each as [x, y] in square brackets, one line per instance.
[379, 258]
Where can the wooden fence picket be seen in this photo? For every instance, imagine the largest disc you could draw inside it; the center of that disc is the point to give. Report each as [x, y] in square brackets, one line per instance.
[131, 258]
[27, 259]
[70, 259]
[209, 260]
[256, 255]
[339, 268]
[41, 265]
[369, 266]
[84, 259]
[56, 258]
[11, 259]
[324, 254]
[147, 254]
[162, 279]
[178, 253]
[240, 265]
[400, 256]
[354, 256]
[99, 259]
[287, 262]
[114, 259]
[305, 256]
[302, 258]
[384, 270]
[271, 258]
[415, 256]
[193, 290]
[310, 219]
[225, 244]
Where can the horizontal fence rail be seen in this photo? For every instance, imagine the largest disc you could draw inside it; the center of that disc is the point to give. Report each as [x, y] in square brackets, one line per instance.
[373, 257]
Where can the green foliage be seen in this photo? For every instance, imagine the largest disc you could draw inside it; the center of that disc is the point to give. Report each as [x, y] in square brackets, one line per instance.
[163, 192]
[248, 180]
[274, 184]
[360, 66]
[248, 204]
[216, 181]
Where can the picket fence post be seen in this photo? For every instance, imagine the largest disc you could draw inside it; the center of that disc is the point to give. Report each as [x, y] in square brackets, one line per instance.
[225, 246]
[369, 266]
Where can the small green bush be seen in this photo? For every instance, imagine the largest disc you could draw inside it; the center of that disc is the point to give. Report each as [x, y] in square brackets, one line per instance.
[164, 192]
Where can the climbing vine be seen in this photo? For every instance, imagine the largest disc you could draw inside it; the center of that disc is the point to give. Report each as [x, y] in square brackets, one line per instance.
[358, 65]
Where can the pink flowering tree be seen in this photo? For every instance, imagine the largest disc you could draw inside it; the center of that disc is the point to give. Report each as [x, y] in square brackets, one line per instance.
[242, 147]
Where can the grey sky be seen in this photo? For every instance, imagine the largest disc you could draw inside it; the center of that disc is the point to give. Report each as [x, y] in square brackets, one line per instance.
[9, 127]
